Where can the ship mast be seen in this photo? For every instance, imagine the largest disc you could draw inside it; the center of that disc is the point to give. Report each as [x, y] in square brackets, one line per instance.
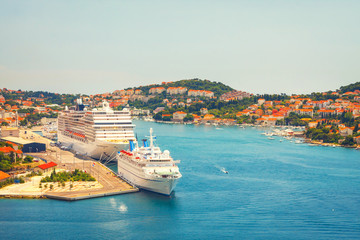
[151, 143]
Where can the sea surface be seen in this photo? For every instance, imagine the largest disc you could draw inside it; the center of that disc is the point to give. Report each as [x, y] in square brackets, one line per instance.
[274, 190]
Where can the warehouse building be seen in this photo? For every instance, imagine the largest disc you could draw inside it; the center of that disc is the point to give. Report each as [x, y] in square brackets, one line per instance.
[28, 146]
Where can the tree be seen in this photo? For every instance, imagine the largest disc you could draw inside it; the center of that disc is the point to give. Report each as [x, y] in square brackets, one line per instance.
[349, 141]
[28, 159]
[356, 128]
[188, 118]
[23, 122]
[12, 157]
[4, 124]
[166, 118]
[158, 116]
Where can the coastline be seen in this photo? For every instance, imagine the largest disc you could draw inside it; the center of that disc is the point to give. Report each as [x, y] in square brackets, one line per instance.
[305, 140]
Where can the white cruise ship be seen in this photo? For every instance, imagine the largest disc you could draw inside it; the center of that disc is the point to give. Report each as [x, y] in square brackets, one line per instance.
[99, 133]
[149, 168]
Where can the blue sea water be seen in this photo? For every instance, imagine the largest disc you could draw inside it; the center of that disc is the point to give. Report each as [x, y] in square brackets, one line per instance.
[274, 190]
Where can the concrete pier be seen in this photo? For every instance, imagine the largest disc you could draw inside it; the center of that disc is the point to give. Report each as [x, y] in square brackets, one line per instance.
[110, 182]
[107, 182]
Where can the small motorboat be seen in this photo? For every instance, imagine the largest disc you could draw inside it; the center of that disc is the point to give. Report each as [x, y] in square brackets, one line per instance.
[224, 171]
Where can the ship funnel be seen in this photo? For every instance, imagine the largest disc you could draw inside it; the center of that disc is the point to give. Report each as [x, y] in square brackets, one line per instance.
[145, 143]
[132, 145]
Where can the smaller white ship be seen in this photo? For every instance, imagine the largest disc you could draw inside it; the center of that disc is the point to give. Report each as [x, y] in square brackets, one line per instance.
[148, 168]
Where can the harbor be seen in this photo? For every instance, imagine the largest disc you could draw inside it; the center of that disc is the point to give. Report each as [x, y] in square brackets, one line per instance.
[107, 182]
[321, 180]
[85, 143]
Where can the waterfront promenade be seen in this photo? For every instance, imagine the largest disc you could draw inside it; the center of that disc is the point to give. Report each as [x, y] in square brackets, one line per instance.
[111, 184]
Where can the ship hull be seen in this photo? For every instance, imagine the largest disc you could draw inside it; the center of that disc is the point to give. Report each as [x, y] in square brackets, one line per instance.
[137, 177]
[97, 150]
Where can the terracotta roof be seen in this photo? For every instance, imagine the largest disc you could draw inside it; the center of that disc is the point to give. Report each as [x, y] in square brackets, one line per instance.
[47, 165]
[4, 175]
[9, 149]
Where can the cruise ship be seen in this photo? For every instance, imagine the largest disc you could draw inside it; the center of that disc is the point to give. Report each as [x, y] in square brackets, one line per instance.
[148, 168]
[99, 133]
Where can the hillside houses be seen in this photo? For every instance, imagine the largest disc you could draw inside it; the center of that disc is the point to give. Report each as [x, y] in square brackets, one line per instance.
[234, 95]
[200, 93]
[156, 90]
[176, 90]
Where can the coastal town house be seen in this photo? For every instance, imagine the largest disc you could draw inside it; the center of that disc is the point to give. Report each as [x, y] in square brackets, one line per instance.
[266, 121]
[9, 132]
[203, 111]
[47, 167]
[208, 118]
[305, 111]
[179, 116]
[345, 131]
[357, 140]
[9, 150]
[156, 90]
[176, 90]
[3, 176]
[261, 101]
[201, 93]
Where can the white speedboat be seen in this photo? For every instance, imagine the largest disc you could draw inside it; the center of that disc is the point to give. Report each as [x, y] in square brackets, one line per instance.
[224, 171]
[148, 168]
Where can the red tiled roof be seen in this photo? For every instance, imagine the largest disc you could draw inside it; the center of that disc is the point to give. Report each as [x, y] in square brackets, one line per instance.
[3, 175]
[9, 149]
[47, 165]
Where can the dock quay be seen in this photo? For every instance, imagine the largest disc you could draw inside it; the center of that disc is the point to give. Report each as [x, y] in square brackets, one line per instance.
[107, 182]
[110, 183]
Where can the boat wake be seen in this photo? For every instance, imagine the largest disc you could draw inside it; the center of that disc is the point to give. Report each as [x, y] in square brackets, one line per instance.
[222, 169]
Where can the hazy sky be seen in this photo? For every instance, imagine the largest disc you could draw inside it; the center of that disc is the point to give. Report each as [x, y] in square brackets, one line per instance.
[255, 46]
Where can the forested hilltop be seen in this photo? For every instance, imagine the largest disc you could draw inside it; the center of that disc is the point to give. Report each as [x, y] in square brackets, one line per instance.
[350, 88]
[196, 84]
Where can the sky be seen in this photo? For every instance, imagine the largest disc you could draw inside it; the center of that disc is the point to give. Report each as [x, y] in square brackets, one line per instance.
[95, 46]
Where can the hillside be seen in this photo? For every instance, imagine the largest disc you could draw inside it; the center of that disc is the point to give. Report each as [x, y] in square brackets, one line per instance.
[350, 88]
[197, 84]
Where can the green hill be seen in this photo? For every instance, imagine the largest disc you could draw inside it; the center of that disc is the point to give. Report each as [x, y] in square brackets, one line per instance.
[350, 88]
[197, 84]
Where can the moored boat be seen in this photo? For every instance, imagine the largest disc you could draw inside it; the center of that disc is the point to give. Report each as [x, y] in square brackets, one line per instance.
[149, 168]
[99, 133]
